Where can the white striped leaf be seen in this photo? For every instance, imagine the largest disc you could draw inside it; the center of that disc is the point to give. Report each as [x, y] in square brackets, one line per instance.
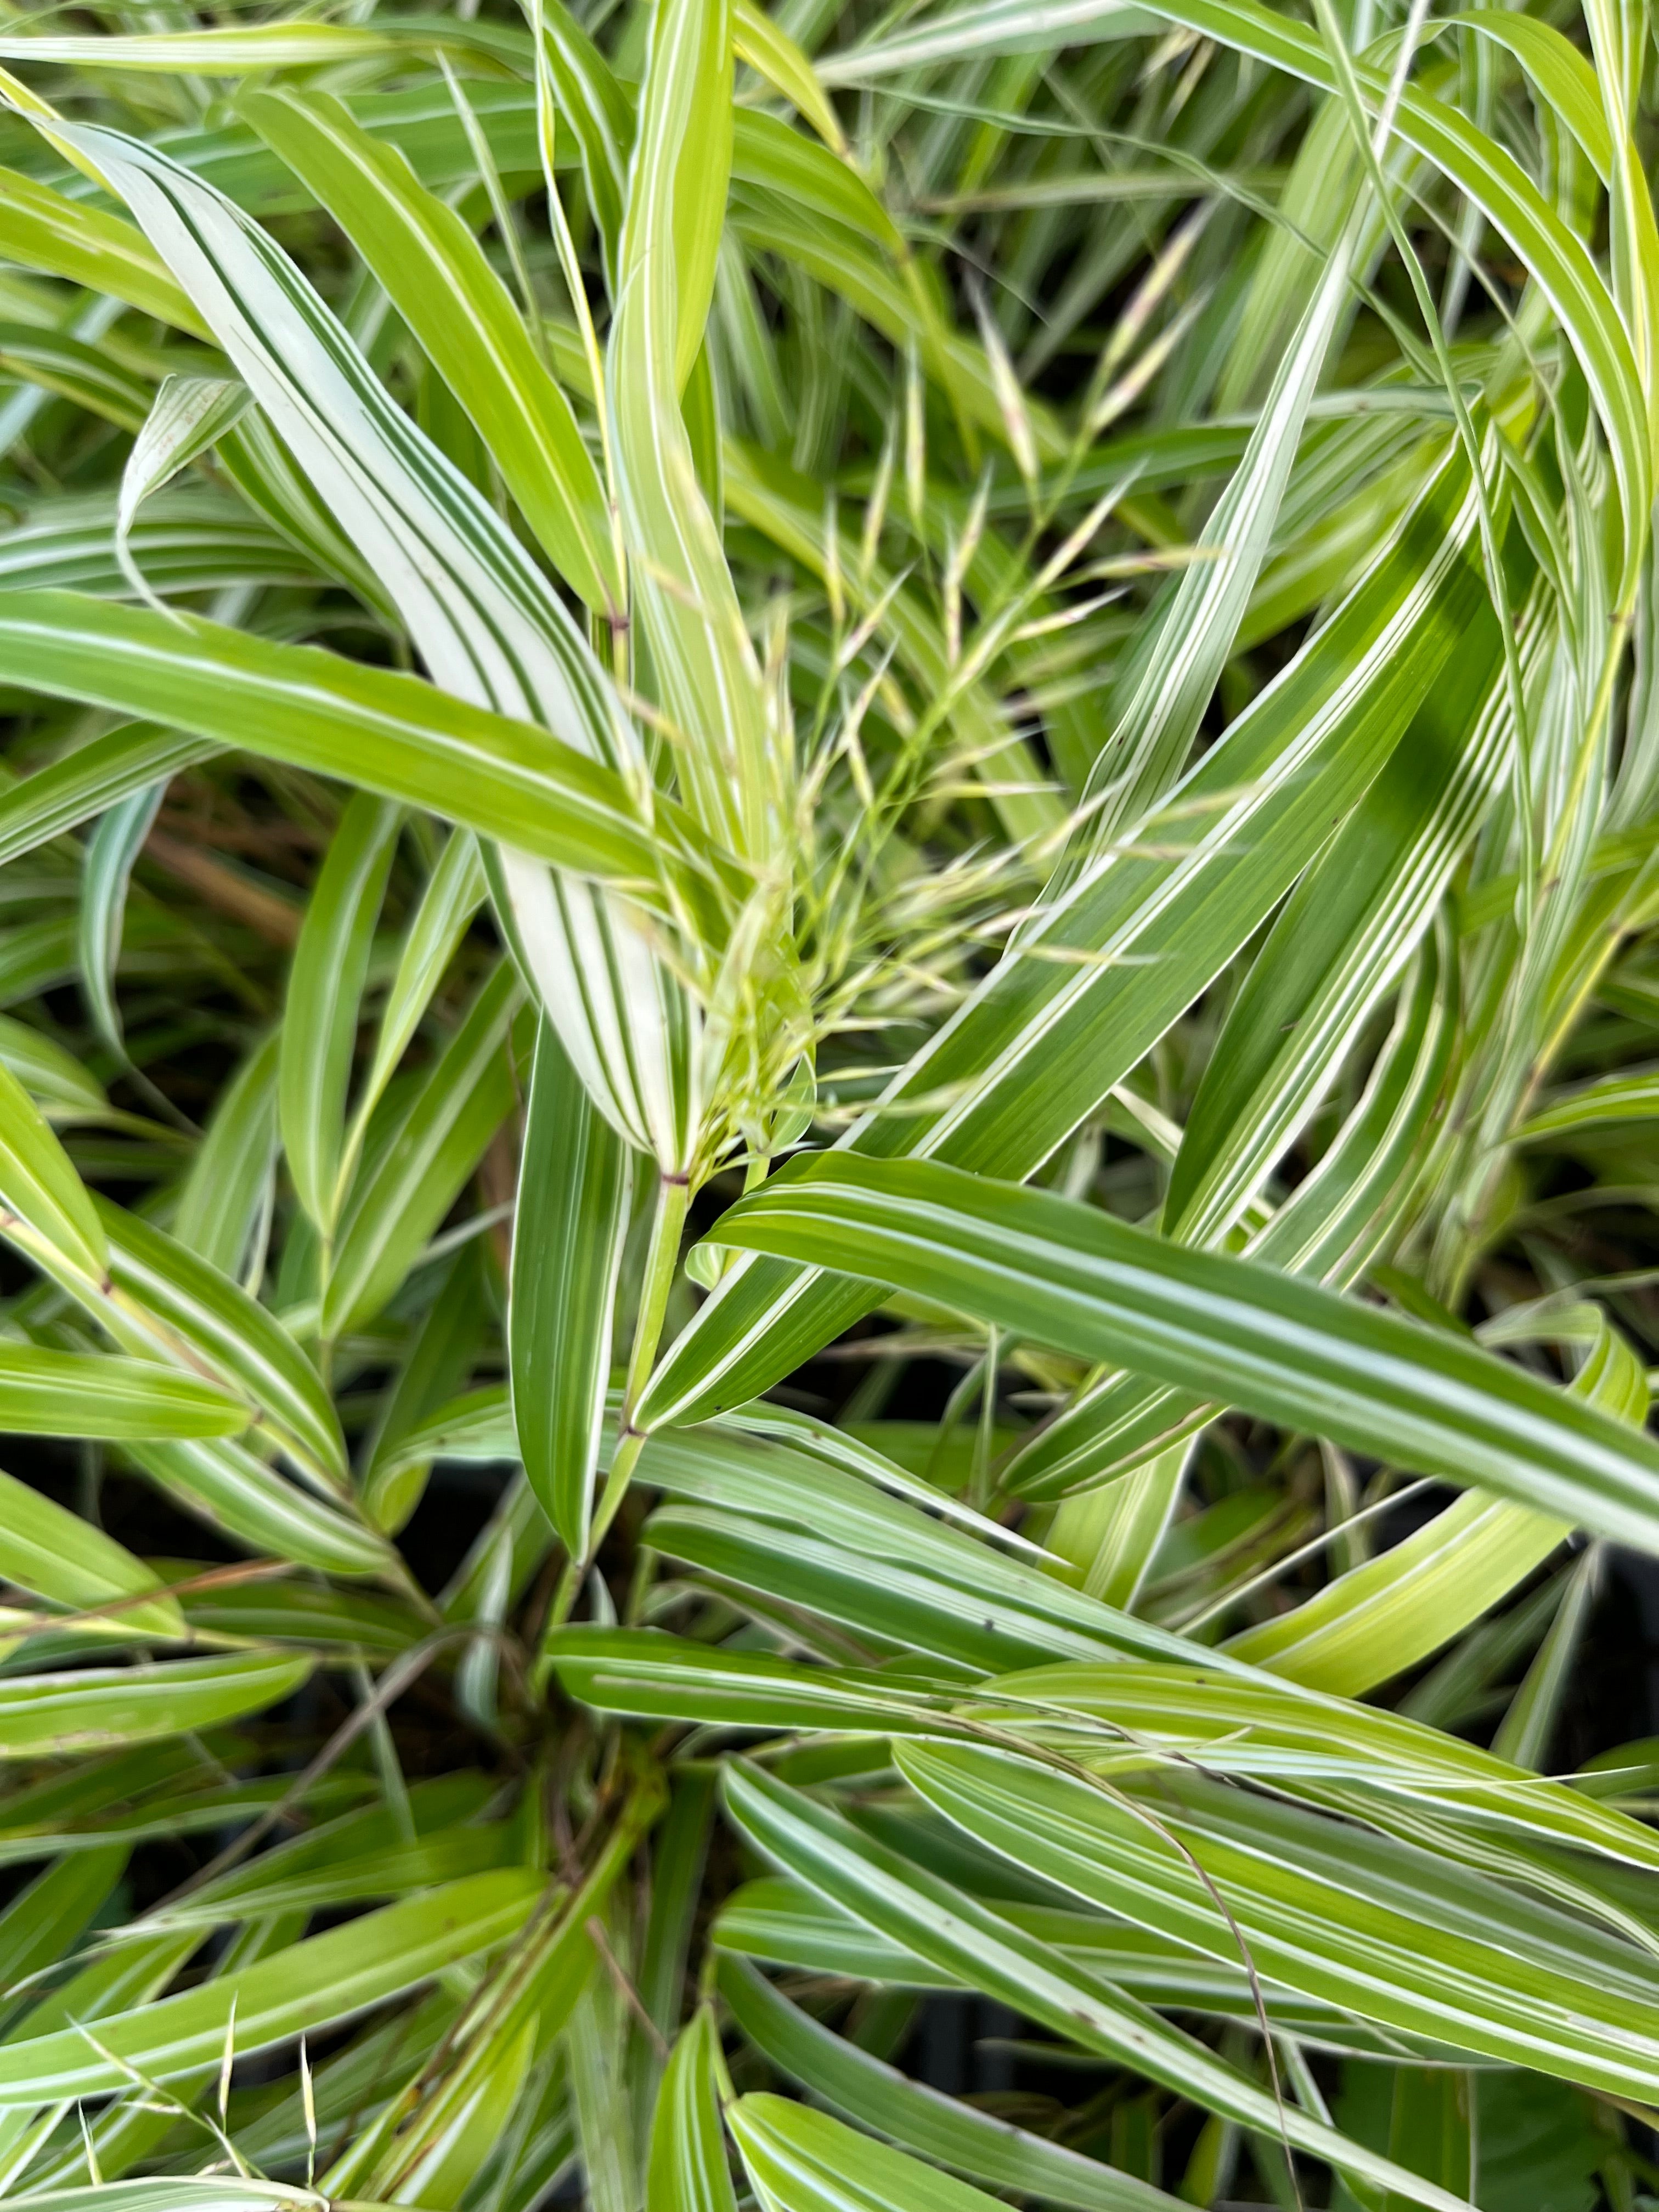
[950, 2130]
[686, 2171]
[325, 981]
[699, 646]
[392, 733]
[1389, 1613]
[39, 1186]
[75, 1393]
[802, 2161]
[332, 1976]
[415, 1163]
[226, 1486]
[575, 1184]
[230, 1333]
[188, 415]
[95, 1708]
[479, 612]
[437, 275]
[45, 1548]
[1389, 1932]
[114, 847]
[871, 1881]
[1064, 1274]
[1328, 1228]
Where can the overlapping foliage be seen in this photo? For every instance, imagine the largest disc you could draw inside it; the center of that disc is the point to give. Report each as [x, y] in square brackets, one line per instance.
[831, 859]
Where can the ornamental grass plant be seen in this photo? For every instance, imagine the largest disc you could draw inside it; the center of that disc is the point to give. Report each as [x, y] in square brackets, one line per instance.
[830, 925]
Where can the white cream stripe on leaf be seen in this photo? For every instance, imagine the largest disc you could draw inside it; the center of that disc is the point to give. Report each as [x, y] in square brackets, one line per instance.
[480, 616]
